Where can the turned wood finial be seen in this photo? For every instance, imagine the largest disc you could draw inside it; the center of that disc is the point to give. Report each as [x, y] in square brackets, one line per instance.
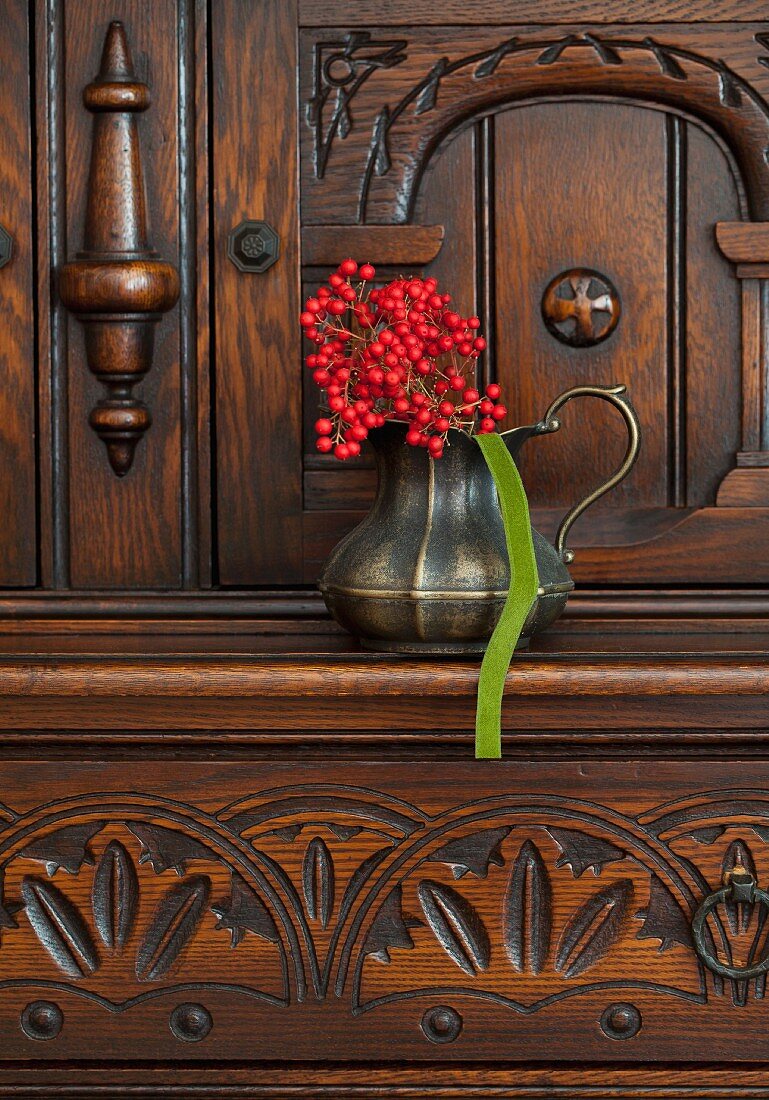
[117, 287]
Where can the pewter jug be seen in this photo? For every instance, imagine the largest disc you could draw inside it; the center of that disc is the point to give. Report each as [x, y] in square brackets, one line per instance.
[427, 570]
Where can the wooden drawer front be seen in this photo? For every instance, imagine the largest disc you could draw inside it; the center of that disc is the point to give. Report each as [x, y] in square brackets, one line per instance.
[418, 910]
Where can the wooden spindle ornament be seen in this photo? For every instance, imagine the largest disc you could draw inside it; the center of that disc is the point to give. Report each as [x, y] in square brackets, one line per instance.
[117, 287]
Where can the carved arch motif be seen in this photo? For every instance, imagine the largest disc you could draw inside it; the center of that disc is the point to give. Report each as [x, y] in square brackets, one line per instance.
[646, 70]
[340, 880]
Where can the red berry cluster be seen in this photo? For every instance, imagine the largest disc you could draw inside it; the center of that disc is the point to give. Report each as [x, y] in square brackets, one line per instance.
[397, 352]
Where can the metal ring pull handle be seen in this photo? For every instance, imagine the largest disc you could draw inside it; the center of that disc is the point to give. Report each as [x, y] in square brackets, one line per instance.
[741, 887]
[617, 396]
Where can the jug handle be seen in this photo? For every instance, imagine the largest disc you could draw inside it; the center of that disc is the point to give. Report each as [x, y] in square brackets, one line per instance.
[617, 396]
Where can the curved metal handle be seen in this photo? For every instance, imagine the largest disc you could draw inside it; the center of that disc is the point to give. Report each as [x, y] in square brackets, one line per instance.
[617, 396]
[740, 888]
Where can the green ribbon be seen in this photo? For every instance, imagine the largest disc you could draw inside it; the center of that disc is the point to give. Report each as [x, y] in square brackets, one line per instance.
[524, 584]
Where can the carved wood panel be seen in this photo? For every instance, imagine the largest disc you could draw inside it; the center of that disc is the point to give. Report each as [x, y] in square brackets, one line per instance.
[616, 149]
[456, 920]
[442, 130]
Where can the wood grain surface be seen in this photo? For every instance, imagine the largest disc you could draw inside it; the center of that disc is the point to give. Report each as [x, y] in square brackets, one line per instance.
[259, 367]
[18, 565]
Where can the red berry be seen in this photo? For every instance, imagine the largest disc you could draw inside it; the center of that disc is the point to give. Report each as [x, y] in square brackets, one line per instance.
[377, 349]
[473, 322]
[493, 391]
[336, 404]
[324, 444]
[457, 383]
[486, 407]
[470, 396]
[321, 377]
[342, 451]
[335, 280]
[465, 347]
[479, 343]
[336, 307]
[435, 446]
[353, 447]
[487, 424]
[367, 271]
[348, 267]
[442, 424]
[306, 319]
[323, 426]
[413, 437]
[500, 412]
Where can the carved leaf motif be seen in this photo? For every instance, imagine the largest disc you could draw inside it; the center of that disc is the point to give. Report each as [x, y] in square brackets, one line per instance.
[359, 876]
[738, 854]
[457, 926]
[667, 63]
[552, 53]
[60, 927]
[489, 66]
[164, 848]
[728, 88]
[763, 40]
[343, 832]
[173, 923]
[66, 848]
[707, 835]
[390, 928]
[313, 109]
[428, 96]
[318, 881]
[382, 162]
[663, 918]
[527, 911]
[343, 120]
[606, 54]
[581, 851]
[114, 896]
[474, 853]
[7, 912]
[593, 929]
[244, 911]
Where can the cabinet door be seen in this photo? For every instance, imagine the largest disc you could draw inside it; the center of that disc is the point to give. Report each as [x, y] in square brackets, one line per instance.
[588, 162]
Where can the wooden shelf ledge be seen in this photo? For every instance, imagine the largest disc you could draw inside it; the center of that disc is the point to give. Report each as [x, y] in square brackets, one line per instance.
[656, 676]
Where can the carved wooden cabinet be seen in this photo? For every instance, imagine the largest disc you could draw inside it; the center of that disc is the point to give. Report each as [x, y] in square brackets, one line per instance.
[238, 857]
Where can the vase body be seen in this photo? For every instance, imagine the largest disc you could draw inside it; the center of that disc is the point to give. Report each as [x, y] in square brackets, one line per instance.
[427, 570]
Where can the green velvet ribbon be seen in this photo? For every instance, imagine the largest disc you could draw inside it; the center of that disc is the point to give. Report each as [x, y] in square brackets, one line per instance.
[524, 584]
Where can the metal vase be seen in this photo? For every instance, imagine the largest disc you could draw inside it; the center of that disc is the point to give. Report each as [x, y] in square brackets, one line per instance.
[427, 570]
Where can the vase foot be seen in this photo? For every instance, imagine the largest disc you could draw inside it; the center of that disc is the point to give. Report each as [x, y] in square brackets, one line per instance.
[433, 649]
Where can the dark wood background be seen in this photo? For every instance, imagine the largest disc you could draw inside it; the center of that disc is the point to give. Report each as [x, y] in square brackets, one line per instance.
[619, 152]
